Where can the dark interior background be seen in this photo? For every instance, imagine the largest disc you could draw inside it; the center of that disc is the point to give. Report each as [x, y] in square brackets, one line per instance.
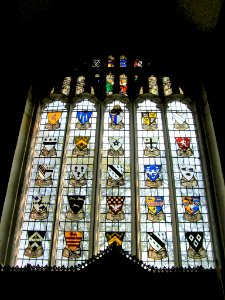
[42, 40]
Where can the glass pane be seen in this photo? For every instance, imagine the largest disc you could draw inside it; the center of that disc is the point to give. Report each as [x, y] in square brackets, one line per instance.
[154, 197]
[76, 205]
[115, 208]
[42, 185]
[191, 199]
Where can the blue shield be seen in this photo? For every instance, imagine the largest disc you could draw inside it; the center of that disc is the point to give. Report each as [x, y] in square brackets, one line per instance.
[152, 171]
[84, 116]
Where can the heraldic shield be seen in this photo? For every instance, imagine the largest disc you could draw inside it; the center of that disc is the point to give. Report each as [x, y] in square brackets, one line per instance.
[188, 179]
[73, 240]
[53, 120]
[195, 240]
[83, 119]
[48, 149]
[75, 211]
[149, 120]
[44, 176]
[78, 175]
[157, 249]
[81, 145]
[115, 205]
[39, 210]
[184, 149]
[150, 150]
[152, 172]
[115, 238]
[116, 146]
[34, 248]
[180, 121]
[115, 177]
[116, 116]
[155, 205]
[191, 205]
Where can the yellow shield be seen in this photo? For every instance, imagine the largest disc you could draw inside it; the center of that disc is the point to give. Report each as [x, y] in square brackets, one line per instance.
[150, 201]
[81, 142]
[53, 117]
[73, 239]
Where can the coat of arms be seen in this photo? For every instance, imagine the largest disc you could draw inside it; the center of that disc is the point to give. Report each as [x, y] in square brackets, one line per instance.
[157, 248]
[48, 149]
[155, 205]
[188, 179]
[195, 240]
[151, 149]
[81, 145]
[116, 148]
[116, 117]
[115, 177]
[149, 120]
[39, 209]
[73, 240]
[153, 180]
[34, 248]
[53, 120]
[180, 121]
[114, 238]
[191, 205]
[44, 177]
[115, 205]
[78, 175]
[83, 119]
[184, 149]
[75, 211]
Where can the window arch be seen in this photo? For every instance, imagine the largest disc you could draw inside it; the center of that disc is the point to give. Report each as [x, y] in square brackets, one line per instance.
[119, 170]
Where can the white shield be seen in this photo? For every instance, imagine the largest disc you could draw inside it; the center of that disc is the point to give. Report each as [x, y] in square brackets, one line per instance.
[115, 171]
[49, 142]
[79, 171]
[116, 142]
[179, 117]
[187, 171]
[44, 171]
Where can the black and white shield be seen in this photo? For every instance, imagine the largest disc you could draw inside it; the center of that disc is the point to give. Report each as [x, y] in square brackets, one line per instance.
[35, 238]
[115, 171]
[116, 142]
[157, 240]
[76, 203]
[78, 171]
[195, 239]
[50, 142]
[151, 142]
[44, 171]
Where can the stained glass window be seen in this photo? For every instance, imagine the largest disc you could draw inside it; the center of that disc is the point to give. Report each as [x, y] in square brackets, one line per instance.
[118, 170]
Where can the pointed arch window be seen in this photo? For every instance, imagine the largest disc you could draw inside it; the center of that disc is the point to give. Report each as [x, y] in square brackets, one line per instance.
[117, 170]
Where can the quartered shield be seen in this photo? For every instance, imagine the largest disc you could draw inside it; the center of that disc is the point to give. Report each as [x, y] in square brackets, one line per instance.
[149, 118]
[115, 203]
[187, 171]
[53, 117]
[40, 203]
[155, 203]
[78, 171]
[84, 116]
[115, 171]
[195, 239]
[191, 204]
[116, 114]
[76, 203]
[183, 142]
[49, 142]
[114, 238]
[151, 142]
[152, 171]
[73, 239]
[157, 240]
[116, 142]
[81, 142]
